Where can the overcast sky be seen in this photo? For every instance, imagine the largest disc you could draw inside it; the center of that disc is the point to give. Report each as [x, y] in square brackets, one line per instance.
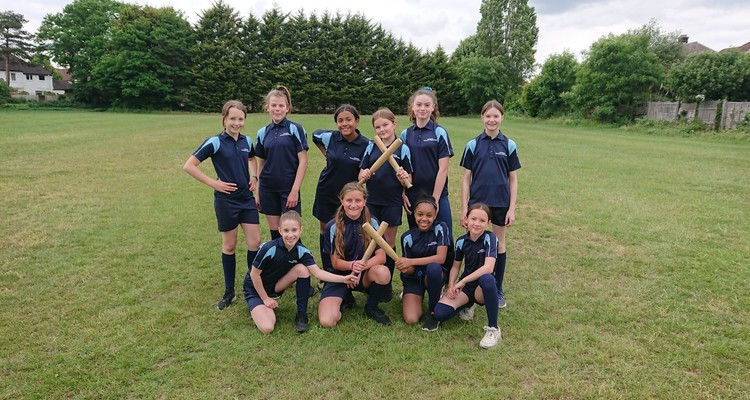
[563, 24]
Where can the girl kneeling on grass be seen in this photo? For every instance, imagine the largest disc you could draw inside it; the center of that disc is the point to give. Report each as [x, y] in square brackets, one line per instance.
[346, 242]
[424, 249]
[280, 263]
[478, 249]
[233, 156]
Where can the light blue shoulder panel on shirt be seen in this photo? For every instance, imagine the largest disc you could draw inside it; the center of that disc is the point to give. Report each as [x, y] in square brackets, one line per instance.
[408, 241]
[261, 135]
[325, 137]
[293, 129]
[460, 244]
[403, 135]
[214, 142]
[471, 146]
[269, 254]
[511, 146]
[301, 250]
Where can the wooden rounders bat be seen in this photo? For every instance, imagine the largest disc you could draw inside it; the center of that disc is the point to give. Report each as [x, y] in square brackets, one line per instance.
[384, 157]
[379, 142]
[380, 241]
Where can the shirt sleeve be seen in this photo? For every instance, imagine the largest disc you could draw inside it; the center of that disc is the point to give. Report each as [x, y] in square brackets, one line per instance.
[208, 148]
[365, 163]
[260, 136]
[405, 161]
[264, 256]
[444, 143]
[467, 160]
[322, 137]
[301, 135]
[514, 162]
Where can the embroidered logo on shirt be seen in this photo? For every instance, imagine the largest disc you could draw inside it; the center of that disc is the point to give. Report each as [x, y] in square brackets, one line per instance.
[355, 159]
[430, 140]
[480, 251]
[432, 243]
[501, 154]
[285, 134]
[245, 150]
[292, 261]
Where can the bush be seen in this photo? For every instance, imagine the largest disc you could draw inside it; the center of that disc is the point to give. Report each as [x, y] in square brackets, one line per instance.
[4, 92]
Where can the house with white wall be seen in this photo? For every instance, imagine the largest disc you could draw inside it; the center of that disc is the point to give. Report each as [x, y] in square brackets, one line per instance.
[26, 77]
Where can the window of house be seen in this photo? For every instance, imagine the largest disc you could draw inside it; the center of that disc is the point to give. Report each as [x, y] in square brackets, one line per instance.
[41, 77]
[29, 77]
[13, 76]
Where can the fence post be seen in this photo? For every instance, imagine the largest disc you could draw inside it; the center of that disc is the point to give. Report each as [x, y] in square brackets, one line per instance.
[724, 114]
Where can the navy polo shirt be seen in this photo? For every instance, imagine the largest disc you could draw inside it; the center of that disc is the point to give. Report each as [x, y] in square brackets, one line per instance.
[230, 160]
[279, 145]
[275, 261]
[427, 146]
[342, 161]
[384, 187]
[354, 247]
[473, 253]
[490, 161]
[418, 244]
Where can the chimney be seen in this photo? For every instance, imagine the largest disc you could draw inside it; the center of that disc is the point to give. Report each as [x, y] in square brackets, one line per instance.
[682, 39]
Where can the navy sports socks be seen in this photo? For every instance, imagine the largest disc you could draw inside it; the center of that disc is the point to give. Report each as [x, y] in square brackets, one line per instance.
[434, 284]
[303, 293]
[274, 234]
[229, 264]
[250, 257]
[374, 294]
[500, 270]
[489, 290]
[443, 312]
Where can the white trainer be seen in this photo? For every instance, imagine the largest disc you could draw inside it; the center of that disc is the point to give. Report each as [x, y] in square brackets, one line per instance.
[467, 314]
[491, 337]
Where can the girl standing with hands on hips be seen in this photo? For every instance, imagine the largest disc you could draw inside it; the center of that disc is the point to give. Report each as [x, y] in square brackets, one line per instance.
[233, 158]
[477, 250]
[386, 186]
[431, 151]
[346, 242]
[282, 160]
[491, 161]
[343, 150]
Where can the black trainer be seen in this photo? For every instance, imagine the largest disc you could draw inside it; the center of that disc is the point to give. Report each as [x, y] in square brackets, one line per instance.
[300, 322]
[378, 315]
[430, 324]
[226, 300]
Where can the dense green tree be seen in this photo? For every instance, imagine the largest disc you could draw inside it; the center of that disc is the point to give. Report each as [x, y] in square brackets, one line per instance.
[482, 79]
[715, 75]
[218, 67]
[468, 47]
[77, 38]
[4, 92]
[507, 32]
[618, 74]
[146, 65]
[14, 39]
[543, 96]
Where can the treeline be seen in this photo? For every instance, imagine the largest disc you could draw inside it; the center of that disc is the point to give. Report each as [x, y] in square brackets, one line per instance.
[620, 72]
[132, 56]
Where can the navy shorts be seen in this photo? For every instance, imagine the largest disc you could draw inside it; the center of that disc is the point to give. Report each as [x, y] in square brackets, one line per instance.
[414, 283]
[331, 289]
[497, 215]
[325, 209]
[231, 212]
[390, 214]
[251, 295]
[274, 203]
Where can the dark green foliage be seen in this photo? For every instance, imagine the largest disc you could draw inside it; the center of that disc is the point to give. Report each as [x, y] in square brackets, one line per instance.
[618, 74]
[543, 96]
[219, 69]
[714, 75]
[77, 38]
[145, 63]
[4, 92]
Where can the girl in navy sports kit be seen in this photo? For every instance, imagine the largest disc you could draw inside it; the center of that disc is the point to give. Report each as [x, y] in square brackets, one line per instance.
[431, 151]
[424, 249]
[490, 161]
[281, 263]
[477, 249]
[233, 157]
[386, 185]
[346, 242]
[343, 150]
[282, 160]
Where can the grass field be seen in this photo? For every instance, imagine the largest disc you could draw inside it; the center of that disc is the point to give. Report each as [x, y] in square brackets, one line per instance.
[628, 273]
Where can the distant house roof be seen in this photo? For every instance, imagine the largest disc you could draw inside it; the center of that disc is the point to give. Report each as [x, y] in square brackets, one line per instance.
[19, 65]
[696, 47]
[61, 85]
[65, 74]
